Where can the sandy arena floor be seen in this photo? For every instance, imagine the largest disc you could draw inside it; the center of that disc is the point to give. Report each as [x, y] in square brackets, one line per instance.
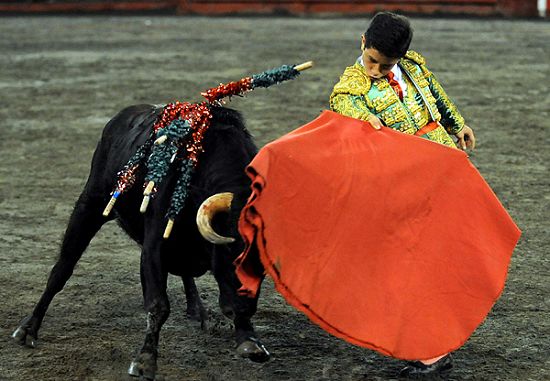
[62, 78]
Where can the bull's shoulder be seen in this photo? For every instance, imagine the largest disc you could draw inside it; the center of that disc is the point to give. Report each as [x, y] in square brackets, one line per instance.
[140, 116]
[137, 109]
[137, 114]
[227, 131]
[224, 118]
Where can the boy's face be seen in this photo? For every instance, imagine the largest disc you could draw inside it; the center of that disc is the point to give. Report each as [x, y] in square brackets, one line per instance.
[376, 64]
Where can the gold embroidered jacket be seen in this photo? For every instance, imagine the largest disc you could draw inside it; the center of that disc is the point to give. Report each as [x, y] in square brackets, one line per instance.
[357, 95]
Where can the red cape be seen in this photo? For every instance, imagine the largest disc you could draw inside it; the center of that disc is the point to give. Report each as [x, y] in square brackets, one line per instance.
[387, 240]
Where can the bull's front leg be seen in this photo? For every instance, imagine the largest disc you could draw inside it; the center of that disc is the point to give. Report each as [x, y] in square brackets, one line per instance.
[239, 308]
[248, 344]
[85, 221]
[157, 307]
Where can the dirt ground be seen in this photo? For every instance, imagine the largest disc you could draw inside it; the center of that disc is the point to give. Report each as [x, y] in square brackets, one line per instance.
[62, 78]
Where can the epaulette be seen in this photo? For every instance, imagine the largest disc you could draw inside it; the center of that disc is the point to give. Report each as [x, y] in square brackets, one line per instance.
[416, 57]
[353, 81]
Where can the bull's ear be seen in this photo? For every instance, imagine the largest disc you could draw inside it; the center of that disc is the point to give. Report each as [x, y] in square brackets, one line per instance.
[220, 202]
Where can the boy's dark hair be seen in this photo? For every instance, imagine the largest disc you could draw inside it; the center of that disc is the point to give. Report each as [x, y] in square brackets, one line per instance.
[390, 34]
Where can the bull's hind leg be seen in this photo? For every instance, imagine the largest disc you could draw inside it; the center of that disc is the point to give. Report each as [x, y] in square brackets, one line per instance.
[195, 309]
[86, 219]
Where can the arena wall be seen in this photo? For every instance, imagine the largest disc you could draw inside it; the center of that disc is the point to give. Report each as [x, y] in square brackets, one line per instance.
[520, 8]
[506, 8]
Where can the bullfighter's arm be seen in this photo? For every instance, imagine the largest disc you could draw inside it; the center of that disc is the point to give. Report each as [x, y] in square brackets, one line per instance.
[450, 116]
[350, 105]
[354, 106]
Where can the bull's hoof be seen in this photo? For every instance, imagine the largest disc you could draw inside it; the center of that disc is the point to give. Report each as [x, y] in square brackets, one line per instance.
[254, 350]
[133, 370]
[23, 337]
[143, 367]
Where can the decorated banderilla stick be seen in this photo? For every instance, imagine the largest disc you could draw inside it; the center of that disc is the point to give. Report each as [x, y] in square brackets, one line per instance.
[184, 125]
[264, 79]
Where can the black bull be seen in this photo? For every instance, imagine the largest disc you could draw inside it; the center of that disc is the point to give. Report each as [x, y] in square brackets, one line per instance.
[228, 148]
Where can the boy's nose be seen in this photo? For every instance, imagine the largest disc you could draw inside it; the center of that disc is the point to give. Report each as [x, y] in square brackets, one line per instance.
[376, 72]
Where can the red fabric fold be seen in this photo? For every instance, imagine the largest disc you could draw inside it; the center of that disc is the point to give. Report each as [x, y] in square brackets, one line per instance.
[386, 240]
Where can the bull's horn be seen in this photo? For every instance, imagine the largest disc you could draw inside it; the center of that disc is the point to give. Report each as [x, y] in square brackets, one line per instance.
[220, 202]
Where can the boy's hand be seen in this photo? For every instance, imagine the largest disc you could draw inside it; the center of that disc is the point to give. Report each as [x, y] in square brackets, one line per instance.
[466, 138]
[375, 122]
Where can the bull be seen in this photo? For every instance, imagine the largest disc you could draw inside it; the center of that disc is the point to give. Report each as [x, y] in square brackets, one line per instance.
[228, 148]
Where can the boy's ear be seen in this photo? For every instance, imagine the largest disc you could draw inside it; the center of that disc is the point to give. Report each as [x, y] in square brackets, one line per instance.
[363, 42]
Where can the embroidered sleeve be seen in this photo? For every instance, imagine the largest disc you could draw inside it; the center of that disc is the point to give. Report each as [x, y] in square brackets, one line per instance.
[350, 105]
[348, 96]
[450, 116]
